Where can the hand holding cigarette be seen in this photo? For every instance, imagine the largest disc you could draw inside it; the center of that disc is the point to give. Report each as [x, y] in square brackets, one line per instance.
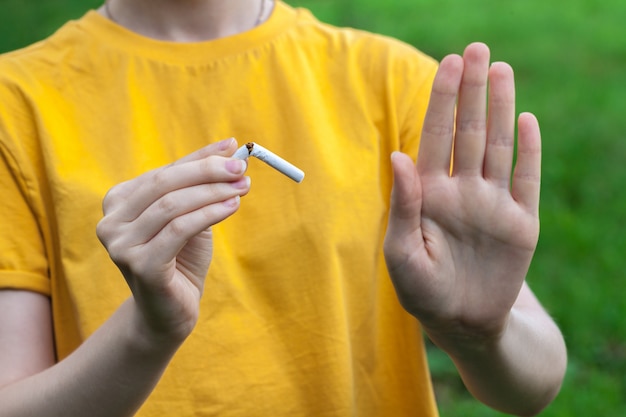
[157, 230]
[270, 158]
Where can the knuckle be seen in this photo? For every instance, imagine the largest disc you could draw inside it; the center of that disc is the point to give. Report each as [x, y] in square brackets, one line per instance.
[159, 178]
[132, 262]
[113, 198]
[108, 232]
[475, 82]
[438, 129]
[177, 227]
[472, 125]
[211, 215]
[119, 253]
[445, 90]
[501, 140]
[208, 166]
[168, 204]
[103, 230]
[218, 168]
[502, 100]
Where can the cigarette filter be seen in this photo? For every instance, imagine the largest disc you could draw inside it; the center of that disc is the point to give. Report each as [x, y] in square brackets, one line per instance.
[270, 158]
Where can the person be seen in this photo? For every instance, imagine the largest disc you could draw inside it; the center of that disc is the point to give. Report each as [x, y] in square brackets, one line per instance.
[198, 293]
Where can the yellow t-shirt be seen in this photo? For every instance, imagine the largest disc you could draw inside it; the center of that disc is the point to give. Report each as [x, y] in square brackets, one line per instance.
[299, 316]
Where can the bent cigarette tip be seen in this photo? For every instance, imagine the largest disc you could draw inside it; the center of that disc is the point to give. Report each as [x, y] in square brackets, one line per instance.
[270, 158]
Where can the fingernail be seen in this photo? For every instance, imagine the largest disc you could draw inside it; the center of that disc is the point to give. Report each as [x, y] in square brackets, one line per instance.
[232, 202]
[235, 166]
[225, 144]
[243, 183]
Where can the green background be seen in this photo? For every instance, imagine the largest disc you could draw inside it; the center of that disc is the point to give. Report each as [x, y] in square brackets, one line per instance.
[570, 63]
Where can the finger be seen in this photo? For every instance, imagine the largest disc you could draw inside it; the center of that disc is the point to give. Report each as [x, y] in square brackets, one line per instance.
[437, 133]
[500, 125]
[469, 138]
[527, 174]
[166, 245]
[181, 202]
[137, 195]
[223, 148]
[406, 196]
[123, 191]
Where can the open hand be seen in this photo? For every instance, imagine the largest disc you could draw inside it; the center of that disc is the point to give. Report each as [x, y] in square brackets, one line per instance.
[461, 231]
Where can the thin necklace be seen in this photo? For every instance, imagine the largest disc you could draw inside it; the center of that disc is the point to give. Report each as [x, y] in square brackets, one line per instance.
[259, 19]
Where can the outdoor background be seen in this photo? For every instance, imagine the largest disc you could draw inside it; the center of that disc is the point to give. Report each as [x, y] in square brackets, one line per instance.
[570, 62]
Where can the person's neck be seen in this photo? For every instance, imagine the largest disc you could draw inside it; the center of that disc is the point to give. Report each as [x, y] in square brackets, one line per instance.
[187, 20]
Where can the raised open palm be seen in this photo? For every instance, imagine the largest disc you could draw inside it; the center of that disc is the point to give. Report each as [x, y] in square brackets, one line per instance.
[463, 229]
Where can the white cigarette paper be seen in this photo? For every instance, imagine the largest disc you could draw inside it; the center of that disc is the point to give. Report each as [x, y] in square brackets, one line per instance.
[270, 158]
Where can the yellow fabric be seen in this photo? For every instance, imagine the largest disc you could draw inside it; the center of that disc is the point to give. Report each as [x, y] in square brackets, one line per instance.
[299, 316]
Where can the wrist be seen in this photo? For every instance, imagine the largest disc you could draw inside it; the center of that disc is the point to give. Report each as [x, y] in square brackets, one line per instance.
[517, 370]
[463, 342]
[147, 339]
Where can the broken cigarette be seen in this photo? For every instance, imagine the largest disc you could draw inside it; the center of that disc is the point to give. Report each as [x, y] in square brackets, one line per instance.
[270, 158]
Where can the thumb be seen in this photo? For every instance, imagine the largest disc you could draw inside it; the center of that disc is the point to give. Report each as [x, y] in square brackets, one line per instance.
[406, 195]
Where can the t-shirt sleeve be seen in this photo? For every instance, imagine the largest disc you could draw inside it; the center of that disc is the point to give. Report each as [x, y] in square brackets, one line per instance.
[23, 260]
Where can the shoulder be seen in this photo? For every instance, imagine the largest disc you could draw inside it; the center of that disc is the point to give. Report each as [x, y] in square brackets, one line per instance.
[20, 77]
[375, 53]
[43, 59]
[14, 63]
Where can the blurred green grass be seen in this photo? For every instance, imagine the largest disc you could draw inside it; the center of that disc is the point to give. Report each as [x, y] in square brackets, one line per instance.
[570, 63]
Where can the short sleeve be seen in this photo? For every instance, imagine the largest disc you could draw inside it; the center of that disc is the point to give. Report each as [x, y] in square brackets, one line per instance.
[23, 260]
